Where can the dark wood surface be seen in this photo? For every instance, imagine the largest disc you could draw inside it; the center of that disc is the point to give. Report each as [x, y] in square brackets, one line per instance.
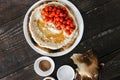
[101, 34]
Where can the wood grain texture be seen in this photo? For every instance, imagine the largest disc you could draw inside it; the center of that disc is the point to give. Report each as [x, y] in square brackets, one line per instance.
[15, 53]
[17, 8]
[102, 29]
[65, 60]
[86, 6]
[101, 18]
[11, 9]
[111, 70]
[26, 73]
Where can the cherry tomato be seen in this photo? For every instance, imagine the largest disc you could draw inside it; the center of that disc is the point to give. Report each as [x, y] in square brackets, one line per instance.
[61, 20]
[43, 12]
[50, 19]
[54, 19]
[43, 9]
[58, 24]
[46, 8]
[53, 14]
[66, 18]
[61, 14]
[64, 22]
[67, 28]
[66, 12]
[60, 17]
[58, 7]
[68, 32]
[46, 14]
[58, 12]
[57, 19]
[68, 22]
[62, 26]
[50, 16]
[71, 30]
[58, 27]
[46, 19]
[56, 15]
[72, 25]
[64, 15]
[54, 9]
[50, 8]
[63, 8]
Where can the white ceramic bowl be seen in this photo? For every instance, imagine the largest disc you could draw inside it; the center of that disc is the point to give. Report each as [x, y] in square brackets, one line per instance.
[80, 23]
[65, 72]
[39, 71]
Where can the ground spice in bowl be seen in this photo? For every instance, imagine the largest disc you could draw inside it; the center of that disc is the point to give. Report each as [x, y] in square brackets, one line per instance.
[44, 65]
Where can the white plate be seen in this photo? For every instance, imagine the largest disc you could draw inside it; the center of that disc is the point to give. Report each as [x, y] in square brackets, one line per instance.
[65, 72]
[39, 71]
[80, 23]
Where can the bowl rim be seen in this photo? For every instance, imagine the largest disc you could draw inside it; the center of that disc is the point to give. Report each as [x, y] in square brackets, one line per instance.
[39, 71]
[76, 42]
[66, 66]
[49, 77]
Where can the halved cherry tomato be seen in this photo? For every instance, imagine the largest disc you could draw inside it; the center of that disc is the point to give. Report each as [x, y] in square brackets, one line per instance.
[66, 18]
[61, 20]
[68, 22]
[66, 12]
[54, 9]
[59, 15]
[63, 8]
[43, 12]
[46, 19]
[67, 28]
[58, 12]
[57, 19]
[71, 30]
[64, 22]
[50, 19]
[59, 7]
[58, 24]
[68, 32]
[72, 25]
[64, 15]
[56, 15]
[59, 28]
[46, 13]
[53, 14]
[62, 26]
[50, 8]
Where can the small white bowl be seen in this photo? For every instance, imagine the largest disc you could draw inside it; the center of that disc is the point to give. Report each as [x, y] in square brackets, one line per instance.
[49, 78]
[41, 72]
[65, 72]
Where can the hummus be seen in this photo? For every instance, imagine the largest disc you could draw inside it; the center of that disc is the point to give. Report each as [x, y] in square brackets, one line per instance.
[45, 35]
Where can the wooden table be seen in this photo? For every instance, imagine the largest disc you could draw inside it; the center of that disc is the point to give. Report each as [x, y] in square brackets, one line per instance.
[102, 34]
